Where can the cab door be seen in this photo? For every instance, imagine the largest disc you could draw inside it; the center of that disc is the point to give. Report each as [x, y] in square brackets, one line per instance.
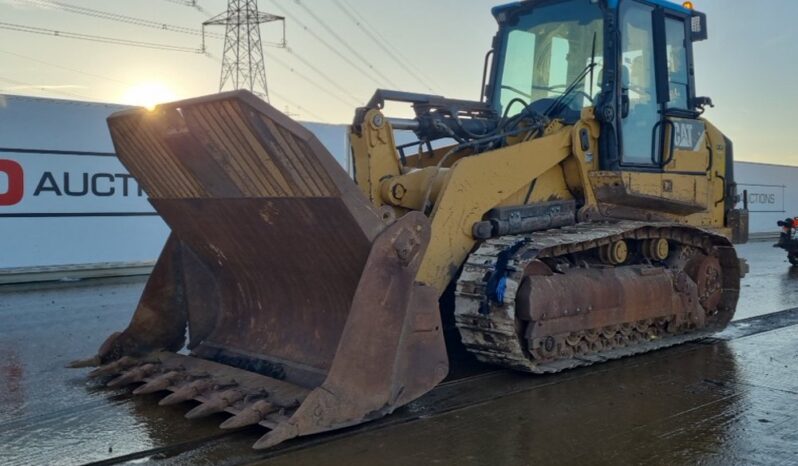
[682, 136]
[664, 154]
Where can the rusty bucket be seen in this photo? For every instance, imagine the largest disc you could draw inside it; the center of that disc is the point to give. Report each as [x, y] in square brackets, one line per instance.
[297, 305]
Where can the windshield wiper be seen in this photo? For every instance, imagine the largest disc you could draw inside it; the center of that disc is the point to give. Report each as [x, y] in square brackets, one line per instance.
[562, 99]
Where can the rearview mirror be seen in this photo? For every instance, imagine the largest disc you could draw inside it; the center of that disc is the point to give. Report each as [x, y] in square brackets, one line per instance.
[698, 27]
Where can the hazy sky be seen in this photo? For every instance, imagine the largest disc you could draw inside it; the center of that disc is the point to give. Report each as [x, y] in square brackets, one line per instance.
[748, 66]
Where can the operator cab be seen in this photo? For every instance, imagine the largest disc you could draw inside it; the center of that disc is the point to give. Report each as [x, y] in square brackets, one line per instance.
[629, 59]
[544, 48]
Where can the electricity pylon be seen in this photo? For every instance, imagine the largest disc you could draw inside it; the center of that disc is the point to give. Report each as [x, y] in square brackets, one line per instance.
[243, 66]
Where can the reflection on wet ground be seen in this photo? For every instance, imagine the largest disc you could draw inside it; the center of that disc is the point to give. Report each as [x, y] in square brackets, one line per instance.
[771, 285]
[11, 373]
[55, 414]
[713, 402]
[677, 406]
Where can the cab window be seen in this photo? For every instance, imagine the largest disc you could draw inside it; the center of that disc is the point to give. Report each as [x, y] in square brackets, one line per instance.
[638, 82]
[545, 50]
[678, 74]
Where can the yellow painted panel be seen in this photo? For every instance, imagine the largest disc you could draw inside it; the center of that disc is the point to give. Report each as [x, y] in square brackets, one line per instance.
[649, 184]
[475, 185]
[690, 146]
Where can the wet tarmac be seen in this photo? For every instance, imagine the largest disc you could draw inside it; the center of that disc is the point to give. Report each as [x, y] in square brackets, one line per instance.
[771, 285]
[730, 400]
[714, 403]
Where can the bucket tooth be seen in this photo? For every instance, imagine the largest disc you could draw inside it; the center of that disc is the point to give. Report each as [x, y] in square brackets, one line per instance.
[137, 374]
[187, 392]
[255, 205]
[216, 403]
[206, 409]
[250, 415]
[81, 363]
[160, 383]
[113, 368]
[281, 433]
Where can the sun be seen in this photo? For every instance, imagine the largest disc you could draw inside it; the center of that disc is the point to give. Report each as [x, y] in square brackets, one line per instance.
[148, 95]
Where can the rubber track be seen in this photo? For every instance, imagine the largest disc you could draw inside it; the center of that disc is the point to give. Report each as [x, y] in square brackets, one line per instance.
[495, 337]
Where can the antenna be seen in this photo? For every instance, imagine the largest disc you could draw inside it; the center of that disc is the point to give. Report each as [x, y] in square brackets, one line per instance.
[243, 66]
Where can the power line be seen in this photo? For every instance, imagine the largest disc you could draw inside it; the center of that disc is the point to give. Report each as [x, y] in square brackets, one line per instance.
[128, 19]
[307, 79]
[354, 100]
[191, 3]
[332, 49]
[44, 88]
[343, 42]
[282, 97]
[161, 26]
[99, 39]
[121, 18]
[71, 94]
[323, 75]
[54, 65]
[301, 108]
[242, 60]
[382, 43]
[314, 83]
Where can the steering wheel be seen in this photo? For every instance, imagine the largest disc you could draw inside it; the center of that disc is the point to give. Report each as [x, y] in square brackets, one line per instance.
[542, 88]
[519, 92]
[572, 99]
[585, 95]
[551, 88]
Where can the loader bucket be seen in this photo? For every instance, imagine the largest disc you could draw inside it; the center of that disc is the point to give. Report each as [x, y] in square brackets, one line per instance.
[300, 305]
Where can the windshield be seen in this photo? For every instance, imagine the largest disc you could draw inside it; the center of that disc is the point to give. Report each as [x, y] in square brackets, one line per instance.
[546, 49]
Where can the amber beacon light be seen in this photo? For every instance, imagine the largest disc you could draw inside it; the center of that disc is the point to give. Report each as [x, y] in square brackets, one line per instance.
[688, 5]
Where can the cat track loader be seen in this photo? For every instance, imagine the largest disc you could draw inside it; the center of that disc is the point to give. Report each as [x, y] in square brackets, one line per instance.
[582, 210]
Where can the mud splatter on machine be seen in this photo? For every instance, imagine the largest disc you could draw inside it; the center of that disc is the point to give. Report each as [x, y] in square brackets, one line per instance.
[583, 211]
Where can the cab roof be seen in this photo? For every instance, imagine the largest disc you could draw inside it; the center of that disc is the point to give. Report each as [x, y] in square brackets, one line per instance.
[497, 10]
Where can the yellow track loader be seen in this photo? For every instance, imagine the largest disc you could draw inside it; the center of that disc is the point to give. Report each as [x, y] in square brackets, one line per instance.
[582, 210]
